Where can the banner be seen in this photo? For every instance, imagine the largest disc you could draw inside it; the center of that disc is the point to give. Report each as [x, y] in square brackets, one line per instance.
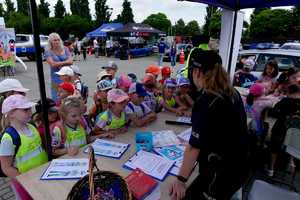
[7, 47]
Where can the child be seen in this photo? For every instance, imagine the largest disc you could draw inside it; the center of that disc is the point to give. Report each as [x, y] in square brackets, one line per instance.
[268, 77]
[112, 68]
[139, 113]
[80, 87]
[113, 120]
[66, 74]
[103, 75]
[167, 100]
[74, 135]
[65, 89]
[244, 78]
[100, 99]
[21, 145]
[132, 77]
[165, 74]
[154, 70]
[182, 97]
[150, 87]
[123, 83]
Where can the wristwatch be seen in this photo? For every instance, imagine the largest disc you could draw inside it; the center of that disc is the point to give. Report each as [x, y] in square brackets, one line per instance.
[182, 179]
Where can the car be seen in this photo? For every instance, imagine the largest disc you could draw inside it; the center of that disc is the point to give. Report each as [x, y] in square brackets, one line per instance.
[179, 46]
[291, 46]
[285, 59]
[25, 45]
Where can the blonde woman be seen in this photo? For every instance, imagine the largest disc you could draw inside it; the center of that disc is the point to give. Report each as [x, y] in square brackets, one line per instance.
[56, 56]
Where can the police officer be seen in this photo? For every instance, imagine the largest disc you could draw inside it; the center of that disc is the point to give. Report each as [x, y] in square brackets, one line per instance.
[219, 134]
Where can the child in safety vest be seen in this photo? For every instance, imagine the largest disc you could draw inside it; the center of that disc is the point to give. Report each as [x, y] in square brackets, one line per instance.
[138, 112]
[73, 136]
[21, 145]
[182, 97]
[113, 120]
[65, 89]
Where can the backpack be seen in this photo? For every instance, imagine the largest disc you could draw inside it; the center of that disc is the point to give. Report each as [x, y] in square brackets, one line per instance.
[16, 139]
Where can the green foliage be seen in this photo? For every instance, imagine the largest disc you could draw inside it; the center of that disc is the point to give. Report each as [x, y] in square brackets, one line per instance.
[80, 8]
[103, 12]
[192, 28]
[158, 21]
[59, 9]
[23, 6]
[20, 22]
[126, 14]
[214, 27]
[179, 27]
[44, 8]
[210, 11]
[9, 8]
[2, 11]
[271, 24]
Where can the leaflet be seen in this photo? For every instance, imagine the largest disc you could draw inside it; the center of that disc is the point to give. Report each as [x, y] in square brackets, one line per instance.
[152, 164]
[164, 138]
[173, 153]
[184, 119]
[66, 169]
[185, 135]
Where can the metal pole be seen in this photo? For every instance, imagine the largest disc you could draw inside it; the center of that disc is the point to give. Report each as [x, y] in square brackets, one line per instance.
[232, 41]
[39, 65]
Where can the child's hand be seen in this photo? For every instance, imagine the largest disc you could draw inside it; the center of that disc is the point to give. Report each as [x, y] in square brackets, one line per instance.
[179, 112]
[123, 130]
[72, 151]
[107, 135]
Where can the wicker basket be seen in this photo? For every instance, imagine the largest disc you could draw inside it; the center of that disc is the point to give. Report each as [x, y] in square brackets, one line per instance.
[99, 185]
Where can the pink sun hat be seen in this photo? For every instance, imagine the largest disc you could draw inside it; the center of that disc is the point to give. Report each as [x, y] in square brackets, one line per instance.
[16, 101]
[116, 95]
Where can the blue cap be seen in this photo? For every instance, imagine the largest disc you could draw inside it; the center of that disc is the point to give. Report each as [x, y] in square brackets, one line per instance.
[170, 82]
[137, 88]
[183, 81]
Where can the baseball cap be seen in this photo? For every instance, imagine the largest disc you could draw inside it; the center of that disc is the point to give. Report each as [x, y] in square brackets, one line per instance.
[65, 71]
[249, 64]
[166, 70]
[257, 89]
[50, 106]
[111, 65]
[11, 84]
[67, 86]
[149, 79]
[123, 81]
[133, 77]
[182, 81]
[137, 88]
[16, 101]
[153, 69]
[104, 85]
[103, 74]
[75, 69]
[170, 82]
[116, 95]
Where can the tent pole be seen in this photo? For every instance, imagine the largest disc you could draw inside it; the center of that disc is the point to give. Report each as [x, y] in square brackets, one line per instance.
[232, 41]
[40, 71]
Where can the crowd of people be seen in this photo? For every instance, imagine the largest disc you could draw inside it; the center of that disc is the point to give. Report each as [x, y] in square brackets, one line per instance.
[219, 123]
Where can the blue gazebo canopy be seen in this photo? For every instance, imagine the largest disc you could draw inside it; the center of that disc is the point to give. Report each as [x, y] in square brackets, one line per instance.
[241, 4]
[103, 29]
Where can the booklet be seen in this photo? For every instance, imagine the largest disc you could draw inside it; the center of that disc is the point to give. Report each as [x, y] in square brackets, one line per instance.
[184, 119]
[108, 148]
[164, 138]
[66, 169]
[152, 164]
[173, 153]
[185, 135]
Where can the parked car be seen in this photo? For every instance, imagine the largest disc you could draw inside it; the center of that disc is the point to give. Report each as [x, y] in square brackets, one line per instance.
[285, 59]
[186, 48]
[25, 45]
[291, 46]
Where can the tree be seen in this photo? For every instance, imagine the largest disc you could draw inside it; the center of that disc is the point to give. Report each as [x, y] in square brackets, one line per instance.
[44, 8]
[179, 27]
[20, 22]
[2, 11]
[59, 9]
[210, 11]
[256, 11]
[23, 6]
[158, 21]
[126, 14]
[192, 28]
[214, 27]
[103, 12]
[80, 8]
[9, 9]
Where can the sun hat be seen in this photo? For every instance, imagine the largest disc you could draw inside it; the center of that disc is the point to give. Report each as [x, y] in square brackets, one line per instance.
[153, 69]
[68, 71]
[166, 71]
[123, 81]
[116, 95]
[103, 74]
[181, 81]
[149, 79]
[50, 106]
[257, 89]
[16, 101]
[110, 65]
[170, 82]
[67, 86]
[104, 85]
[11, 84]
[137, 88]
[249, 64]
[75, 69]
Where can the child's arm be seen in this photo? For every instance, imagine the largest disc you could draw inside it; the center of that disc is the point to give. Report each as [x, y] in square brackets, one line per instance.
[189, 100]
[169, 108]
[7, 166]
[179, 102]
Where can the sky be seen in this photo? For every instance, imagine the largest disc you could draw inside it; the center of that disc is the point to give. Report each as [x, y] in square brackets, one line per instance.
[142, 8]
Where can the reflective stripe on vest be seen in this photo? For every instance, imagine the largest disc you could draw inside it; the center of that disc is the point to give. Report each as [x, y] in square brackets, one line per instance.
[30, 153]
[113, 122]
[76, 137]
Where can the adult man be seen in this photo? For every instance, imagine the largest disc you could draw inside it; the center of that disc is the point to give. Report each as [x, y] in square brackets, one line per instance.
[96, 47]
[161, 50]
